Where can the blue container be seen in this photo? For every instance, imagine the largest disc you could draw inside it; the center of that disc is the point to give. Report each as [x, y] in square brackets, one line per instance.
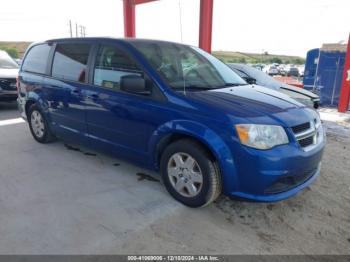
[323, 72]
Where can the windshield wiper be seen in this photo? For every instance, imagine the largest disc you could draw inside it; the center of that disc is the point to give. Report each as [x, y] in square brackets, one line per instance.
[201, 88]
[193, 87]
[229, 85]
[234, 84]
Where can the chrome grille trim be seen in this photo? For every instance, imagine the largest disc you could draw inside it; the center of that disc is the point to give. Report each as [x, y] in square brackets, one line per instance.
[306, 133]
[315, 132]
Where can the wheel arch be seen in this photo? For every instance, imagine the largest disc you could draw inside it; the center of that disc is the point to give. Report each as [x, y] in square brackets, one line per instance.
[35, 98]
[28, 104]
[212, 142]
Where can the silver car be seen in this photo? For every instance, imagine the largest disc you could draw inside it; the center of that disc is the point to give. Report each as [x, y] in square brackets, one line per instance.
[8, 74]
[254, 76]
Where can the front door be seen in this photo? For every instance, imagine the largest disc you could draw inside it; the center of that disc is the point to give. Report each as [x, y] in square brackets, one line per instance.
[116, 120]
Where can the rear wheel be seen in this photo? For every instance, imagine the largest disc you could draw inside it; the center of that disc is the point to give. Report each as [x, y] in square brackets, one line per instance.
[39, 126]
[190, 174]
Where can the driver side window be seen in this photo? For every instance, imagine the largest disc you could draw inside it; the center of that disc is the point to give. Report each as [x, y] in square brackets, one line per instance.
[111, 65]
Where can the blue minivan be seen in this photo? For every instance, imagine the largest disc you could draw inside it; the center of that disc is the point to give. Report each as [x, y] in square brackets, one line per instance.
[175, 109]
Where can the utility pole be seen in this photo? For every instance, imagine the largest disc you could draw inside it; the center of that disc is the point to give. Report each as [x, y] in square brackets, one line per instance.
[70, 28]
[82, 30]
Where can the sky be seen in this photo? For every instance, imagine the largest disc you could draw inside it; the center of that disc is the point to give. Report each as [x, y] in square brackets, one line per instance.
[277, 26]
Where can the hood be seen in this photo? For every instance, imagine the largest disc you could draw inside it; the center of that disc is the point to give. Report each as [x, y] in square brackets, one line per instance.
[252, 101]
[8, 73]
[300, 91]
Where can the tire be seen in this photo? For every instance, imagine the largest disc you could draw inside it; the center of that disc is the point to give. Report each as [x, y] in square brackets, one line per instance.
[37, 121]
[181, 175]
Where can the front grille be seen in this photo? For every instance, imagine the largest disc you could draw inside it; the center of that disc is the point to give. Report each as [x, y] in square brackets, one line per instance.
[306, 134]
[8, 84]
[308, 141]
[289, 182]
[301, 127]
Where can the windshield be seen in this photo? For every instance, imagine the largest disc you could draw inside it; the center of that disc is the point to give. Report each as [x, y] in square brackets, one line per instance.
[261, 78]
[6, 61]
[185, 67]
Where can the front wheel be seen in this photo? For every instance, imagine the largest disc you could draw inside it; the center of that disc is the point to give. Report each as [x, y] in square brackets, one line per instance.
[39, 126]
[190, 174]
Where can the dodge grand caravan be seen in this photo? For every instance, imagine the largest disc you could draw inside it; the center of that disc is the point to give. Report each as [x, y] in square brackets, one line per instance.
[175, 109]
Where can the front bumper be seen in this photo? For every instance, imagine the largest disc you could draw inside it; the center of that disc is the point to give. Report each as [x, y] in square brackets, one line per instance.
[275, 174]
[6, 95]
[273, 197]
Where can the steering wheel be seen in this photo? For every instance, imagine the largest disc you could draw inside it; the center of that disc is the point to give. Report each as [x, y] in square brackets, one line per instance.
[196, 71]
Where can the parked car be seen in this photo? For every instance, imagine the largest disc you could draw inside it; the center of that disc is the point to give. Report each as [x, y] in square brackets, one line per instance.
[282, 70]
[205, 130]
[254, 76]
[272, 70]
[301, 70]
[293, 71]
[258, 66]
[8, 74]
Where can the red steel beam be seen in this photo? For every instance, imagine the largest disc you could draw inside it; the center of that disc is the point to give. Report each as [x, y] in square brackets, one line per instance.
[205, 21]
[206, 25]
[129, 18]
[138, 2]
[344, 97]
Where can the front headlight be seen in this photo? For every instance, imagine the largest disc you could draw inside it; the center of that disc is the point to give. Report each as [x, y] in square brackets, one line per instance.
[261, 136]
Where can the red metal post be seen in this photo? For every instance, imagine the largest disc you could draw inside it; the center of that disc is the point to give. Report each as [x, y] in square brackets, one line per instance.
[129, 18]
[138, 2]
[206, 25]
[344, 97]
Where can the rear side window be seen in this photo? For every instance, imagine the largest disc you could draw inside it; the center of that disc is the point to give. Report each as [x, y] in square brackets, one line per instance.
[70, 61]
[111, 65]
[36, 59]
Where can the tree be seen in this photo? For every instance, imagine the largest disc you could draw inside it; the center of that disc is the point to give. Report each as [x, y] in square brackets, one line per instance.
[13, 52]
[299, 61]
[276, 60]
[242, 60]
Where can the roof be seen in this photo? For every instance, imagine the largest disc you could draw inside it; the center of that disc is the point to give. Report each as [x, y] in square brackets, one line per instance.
[129, 40]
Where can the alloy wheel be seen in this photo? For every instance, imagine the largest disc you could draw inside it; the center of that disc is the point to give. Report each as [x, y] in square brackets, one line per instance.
[185, 174]
[37, 124]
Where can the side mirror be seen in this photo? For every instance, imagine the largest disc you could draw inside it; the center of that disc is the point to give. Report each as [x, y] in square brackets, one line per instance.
[134, 84]
[250, 80]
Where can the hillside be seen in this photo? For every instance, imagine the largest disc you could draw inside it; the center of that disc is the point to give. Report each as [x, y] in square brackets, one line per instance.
[19, 46]
[239, 57]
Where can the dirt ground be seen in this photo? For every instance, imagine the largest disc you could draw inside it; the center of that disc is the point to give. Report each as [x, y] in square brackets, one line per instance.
[58, 199]
[317, 221]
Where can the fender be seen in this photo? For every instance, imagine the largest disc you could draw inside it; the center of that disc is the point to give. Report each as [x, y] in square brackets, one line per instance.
[205, 135]
[36, 98]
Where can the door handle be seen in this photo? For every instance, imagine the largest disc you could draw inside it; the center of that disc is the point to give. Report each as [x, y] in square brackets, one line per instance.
[76, 91]
[93, 96]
